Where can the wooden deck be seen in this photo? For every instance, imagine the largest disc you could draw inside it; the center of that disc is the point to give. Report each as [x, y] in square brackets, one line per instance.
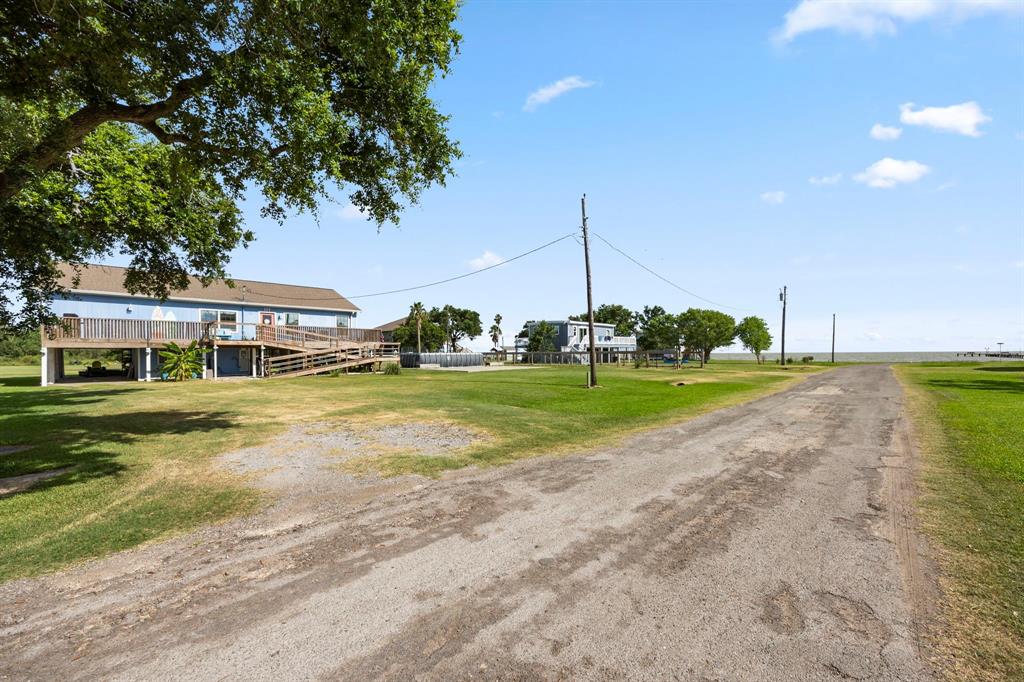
[87, 332]
[308, 350]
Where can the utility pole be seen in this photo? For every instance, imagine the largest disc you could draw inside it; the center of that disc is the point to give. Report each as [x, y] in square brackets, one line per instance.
[833, 338]
[782, 297]
[592, 378]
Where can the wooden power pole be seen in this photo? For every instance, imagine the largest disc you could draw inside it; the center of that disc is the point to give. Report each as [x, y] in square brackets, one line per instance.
[833, 338]
[592, 377]
[782, 297]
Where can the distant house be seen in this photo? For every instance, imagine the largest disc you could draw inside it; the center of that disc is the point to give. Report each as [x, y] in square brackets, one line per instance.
[573, 336]
[387, 330]
[253, 328]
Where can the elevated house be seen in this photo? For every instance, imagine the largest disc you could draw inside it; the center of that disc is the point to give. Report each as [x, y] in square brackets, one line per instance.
[258, 329]
[572, 336]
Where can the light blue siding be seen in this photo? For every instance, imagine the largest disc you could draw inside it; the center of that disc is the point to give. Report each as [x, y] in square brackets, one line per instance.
[141, 308]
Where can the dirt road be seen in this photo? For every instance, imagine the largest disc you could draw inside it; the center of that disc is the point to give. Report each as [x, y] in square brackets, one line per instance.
[768, 541]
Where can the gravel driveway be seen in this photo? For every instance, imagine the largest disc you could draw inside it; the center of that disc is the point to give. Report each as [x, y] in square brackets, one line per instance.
[769, 541]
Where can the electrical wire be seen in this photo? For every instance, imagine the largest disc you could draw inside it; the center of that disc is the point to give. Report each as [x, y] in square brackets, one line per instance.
[419, 286]
[662, 278]
[467, 274]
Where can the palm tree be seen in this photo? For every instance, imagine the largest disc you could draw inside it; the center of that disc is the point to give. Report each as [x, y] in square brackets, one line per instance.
[417, 314]
[495, 331]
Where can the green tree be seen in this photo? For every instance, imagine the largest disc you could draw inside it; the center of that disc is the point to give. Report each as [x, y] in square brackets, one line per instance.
[754, 335]
[542, 338]
[495, 332]
[19, 344]
[660, 332]
[457, 323]
[704, 330]
[417, 316]
[623, 318]
[192, 104]
[431, 337]
[642, 321]
[181, 364]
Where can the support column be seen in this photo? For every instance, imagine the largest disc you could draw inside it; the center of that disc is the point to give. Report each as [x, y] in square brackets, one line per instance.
[44, 365]
[140, 375]
[252, 356]
[215, 361]
[149, 363]
[261, 361]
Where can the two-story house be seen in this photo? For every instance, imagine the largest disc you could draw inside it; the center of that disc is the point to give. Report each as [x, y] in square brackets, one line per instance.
[252, 328]
[573, 336]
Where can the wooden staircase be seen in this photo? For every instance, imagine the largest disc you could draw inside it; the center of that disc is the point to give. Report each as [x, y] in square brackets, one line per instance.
[319, 361]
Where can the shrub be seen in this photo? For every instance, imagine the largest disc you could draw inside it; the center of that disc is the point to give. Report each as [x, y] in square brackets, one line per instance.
[392, 368]
[181, 364]
[807, 358]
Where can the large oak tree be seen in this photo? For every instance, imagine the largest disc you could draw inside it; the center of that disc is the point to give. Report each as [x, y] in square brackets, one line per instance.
[136, 127]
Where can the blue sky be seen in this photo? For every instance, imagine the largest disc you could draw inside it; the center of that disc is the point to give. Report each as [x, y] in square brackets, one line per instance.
[695, 129]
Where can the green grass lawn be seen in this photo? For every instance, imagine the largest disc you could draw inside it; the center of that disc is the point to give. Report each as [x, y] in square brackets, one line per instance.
[141, 453]
[970, 420]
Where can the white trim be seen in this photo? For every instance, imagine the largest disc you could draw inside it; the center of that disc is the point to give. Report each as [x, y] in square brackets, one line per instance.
[44, 365]
[249, 304]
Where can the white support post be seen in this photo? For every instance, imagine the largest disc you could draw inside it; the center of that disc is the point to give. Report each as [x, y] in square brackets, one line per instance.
[149, 364]
[215, 361]
[140, 375]
[261, 360]
[252, 355]
[44, 364]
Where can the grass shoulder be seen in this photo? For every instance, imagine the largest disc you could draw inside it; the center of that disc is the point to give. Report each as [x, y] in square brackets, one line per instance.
[969, 422]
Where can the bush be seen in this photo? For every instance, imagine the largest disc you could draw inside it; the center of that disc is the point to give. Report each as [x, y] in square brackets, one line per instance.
[637, 362]
[807, 358]
[392, 368]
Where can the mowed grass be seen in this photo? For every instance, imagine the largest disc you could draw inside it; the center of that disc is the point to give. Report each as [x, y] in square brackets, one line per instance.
[141, 455]
[970, 420]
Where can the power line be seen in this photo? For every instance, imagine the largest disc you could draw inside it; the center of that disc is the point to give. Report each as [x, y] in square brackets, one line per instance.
[663, 279]
[420, 286]
[467, 274]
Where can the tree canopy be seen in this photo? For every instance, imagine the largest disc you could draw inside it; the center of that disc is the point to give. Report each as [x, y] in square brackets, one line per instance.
[192, 104]
[622, 317]
[705, 330]
[542, 338]
[754, 335]
[456, 323]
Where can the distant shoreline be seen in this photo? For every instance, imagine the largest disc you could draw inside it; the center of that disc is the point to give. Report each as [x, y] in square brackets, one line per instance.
[878, 356]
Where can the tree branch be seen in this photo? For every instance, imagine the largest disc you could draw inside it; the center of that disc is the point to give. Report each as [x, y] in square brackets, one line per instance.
[70, 132]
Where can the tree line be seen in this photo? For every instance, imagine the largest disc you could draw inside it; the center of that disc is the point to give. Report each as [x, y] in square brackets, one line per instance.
[699, 330]
[436, 329]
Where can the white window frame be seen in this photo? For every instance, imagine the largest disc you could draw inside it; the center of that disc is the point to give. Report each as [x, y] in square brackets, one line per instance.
[219, 319]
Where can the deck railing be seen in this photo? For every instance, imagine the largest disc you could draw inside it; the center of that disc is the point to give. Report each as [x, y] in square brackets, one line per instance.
[86, 330]
[99, 329]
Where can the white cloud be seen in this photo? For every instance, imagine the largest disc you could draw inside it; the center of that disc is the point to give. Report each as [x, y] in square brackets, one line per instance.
[872, 336]
[776, 197]
[350, 212]
[826, 179]
[889, 172]
[950, 184]
[957, 118]
[868, 18]
[485, 260]
[557, 89]
[881, 132]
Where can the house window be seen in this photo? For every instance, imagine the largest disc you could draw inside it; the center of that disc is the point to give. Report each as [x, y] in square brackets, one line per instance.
[225, 319]
[344, 321]
[291, 319]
